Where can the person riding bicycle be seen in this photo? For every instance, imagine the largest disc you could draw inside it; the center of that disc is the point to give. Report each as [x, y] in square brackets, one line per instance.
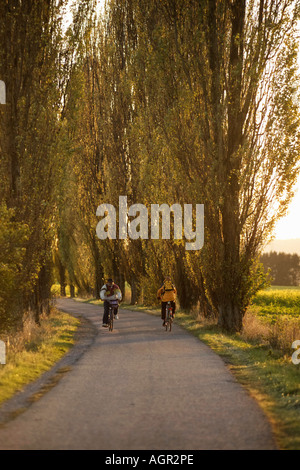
[112, 295]
[167, 293]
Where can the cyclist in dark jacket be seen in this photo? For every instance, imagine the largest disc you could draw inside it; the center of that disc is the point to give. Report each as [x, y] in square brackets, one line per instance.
[112, 295]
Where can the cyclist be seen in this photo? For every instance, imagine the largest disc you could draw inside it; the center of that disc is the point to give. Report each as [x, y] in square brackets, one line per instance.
[112, 295]
[167, 293]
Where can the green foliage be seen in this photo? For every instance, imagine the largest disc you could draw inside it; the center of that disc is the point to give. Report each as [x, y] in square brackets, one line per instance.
[174, 108]
[13, 239]
[186, 102]
[32, 66]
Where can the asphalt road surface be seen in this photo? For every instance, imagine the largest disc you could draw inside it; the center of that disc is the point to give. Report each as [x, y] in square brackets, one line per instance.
[136, 388]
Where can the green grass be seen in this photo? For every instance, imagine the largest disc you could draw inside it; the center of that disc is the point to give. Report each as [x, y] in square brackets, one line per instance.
[275, 302]
[28, 357]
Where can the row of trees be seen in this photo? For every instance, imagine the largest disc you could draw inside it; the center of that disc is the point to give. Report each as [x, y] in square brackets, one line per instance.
[284, 268]
[30, 37]
[162, 101]
[35, 64]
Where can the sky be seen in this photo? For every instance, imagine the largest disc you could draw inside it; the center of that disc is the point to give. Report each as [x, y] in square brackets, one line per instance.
[289, 226]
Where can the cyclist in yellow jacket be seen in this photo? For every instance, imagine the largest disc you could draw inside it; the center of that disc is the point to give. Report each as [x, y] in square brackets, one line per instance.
[167, 293]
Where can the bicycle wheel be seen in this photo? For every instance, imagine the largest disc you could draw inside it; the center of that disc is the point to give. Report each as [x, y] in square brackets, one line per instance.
[168, 317]
[111, 320]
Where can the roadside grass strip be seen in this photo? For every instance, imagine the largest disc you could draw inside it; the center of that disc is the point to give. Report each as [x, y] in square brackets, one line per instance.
[27, 358]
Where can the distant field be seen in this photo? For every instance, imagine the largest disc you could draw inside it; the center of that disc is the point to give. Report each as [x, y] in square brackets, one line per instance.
[278, 301]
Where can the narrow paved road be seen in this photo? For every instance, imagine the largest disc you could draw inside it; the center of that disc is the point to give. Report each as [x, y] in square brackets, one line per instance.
[140, 387]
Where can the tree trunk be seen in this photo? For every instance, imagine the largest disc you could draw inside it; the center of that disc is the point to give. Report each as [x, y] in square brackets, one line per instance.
[187, 292]
[72, 290]
[206, 308]
[62, 278]
[98, 279]
[230, 317]
[39, 302]
[119, 279]
[135, 291]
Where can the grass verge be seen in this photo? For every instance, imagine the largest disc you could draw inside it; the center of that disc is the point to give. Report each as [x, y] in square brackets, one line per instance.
[268, 375]
[35, 350]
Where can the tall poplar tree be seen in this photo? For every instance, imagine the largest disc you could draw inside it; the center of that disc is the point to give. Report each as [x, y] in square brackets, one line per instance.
[219, 81]
[30, 37]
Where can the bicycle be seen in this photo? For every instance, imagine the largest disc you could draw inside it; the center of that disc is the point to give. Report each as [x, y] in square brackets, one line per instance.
[169, 317]
[110, 317]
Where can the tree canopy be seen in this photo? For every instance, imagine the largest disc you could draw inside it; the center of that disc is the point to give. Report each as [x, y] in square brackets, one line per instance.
[165, 102]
